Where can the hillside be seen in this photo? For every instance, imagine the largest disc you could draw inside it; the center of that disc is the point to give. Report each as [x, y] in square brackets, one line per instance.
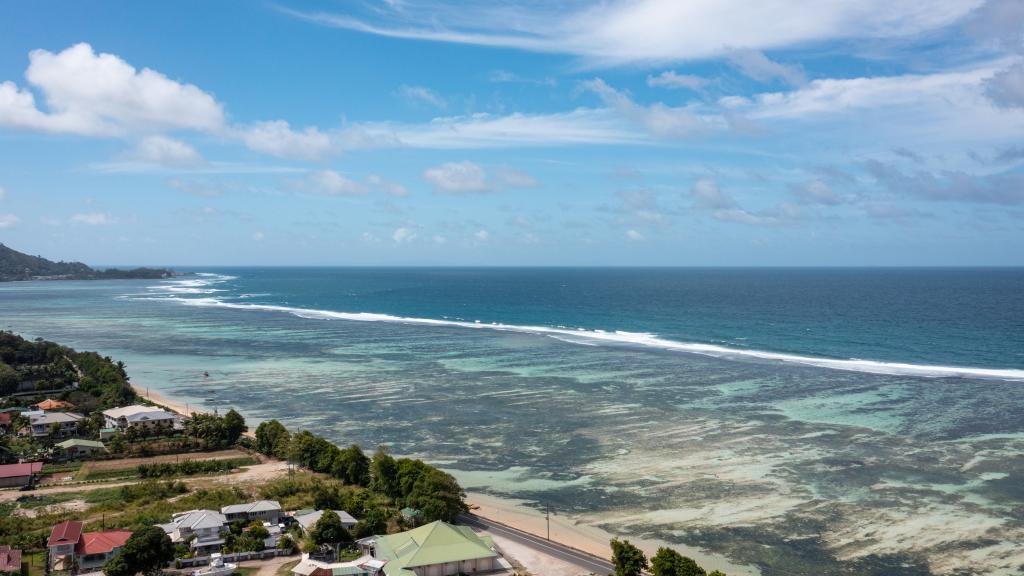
[16, 265]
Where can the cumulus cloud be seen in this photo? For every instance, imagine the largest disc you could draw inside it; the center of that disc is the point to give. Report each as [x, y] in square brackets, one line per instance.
[403, 234]
[640, 207]
[8, 221]
[657, 119]
[817, 192]
[386, 186]
[468, 177]
[708, 196]
[482, 235]
[334, 184]
[277, 138]
[669, 79]
[422, 95]
[258, 236]
[167, 152]
[3, 193]
[102, 95]
[755, 65]
[93, 219]
[634, 235]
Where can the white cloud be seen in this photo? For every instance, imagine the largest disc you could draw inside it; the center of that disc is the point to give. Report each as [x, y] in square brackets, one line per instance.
[8, 220]
[669, 79]
[817, 192]
[1006, 87]
[93, 219]
[634, 235]
[276, 137]
[651, 31]
[167, 152]
[3, 193]
[468, 177]
[386, 186]
[403, 234]
[658, 119]
[482, 235]
[422, 94]
[334, 184]
[755, 65]
[439, 240]
[257, 236]
[506, 77]
[458, 178]
[708, 196]
[102, 95]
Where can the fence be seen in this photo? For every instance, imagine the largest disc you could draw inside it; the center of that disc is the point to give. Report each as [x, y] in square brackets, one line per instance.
[235, 557]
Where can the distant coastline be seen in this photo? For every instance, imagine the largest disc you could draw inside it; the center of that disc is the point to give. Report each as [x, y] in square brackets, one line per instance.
[17, 266]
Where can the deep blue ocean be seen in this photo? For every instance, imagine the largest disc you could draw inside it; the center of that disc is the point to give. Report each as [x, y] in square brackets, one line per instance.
[783, 422]
[944, 317]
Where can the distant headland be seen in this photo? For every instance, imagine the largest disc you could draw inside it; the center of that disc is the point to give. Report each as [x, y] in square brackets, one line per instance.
[16, 265]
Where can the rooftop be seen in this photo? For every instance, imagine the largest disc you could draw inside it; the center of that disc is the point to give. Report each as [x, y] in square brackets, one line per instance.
[198, 519]
[54, 418]
[102, 542]
[434, 543]
[10, 559]
[308, 518]
[251, 507]
[67, 532]
[138, 412]
[16, 470]
[51, 404]
[79, 443]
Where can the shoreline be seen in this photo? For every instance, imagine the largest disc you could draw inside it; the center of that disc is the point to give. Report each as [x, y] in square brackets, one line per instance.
[571, 531]
[566, 530]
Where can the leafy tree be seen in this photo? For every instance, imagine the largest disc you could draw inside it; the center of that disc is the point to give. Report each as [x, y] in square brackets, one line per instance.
[328, 530]
[233, 428]
[668, 562]
[147, 551]
[717, 573]
[627, 558]
[272, 439]
[384, 473]
[351, 466]
[9, 379]
[374, 521]
[438, 496]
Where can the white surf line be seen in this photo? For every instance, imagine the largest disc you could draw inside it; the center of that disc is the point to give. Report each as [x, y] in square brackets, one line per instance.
[622, 338]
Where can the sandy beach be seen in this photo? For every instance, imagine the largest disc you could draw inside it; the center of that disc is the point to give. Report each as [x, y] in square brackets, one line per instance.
[165, 401]
[570, 531]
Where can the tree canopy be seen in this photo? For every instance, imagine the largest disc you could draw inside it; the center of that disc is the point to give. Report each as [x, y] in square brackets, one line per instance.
[147, 551]
[329, 530]
[627, 558]
[668, 562]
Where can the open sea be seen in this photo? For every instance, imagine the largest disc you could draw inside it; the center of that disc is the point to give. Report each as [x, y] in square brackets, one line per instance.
[796, 421]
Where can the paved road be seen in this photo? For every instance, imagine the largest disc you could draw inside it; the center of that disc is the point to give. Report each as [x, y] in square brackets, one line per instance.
[554, 549]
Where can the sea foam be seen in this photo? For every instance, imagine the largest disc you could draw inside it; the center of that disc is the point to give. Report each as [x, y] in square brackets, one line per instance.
[174, 288]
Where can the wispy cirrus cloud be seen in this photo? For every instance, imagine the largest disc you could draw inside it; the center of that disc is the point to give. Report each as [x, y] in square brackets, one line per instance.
[646, 31]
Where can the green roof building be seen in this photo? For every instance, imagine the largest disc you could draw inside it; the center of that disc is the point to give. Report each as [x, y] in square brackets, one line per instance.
[435, 549]
[77, 448]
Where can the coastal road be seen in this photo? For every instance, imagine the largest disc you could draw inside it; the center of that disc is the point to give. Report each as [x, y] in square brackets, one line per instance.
[560, 551]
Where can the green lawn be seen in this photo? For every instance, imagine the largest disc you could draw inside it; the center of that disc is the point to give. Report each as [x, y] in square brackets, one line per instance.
[248, 571]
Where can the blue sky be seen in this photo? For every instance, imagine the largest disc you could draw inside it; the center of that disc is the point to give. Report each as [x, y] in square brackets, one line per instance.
[643, 132]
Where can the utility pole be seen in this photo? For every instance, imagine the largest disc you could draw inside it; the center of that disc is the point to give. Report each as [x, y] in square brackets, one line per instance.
[547, 517]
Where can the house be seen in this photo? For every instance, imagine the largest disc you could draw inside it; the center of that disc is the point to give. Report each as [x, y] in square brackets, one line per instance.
[108, 433]
[51, 404]
[10, 560]
[65, 424]
[435, 549]
[18, 474]
[138, 416]
[70, 548]
[206, 526]
[76, 448]
[5, 421]
[308, 518]
[97, 548]
[262, 510]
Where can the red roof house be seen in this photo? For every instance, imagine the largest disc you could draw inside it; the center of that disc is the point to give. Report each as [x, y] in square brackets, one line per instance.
[5, 419]
[69, 545]
[10, 560]
[101, 542]
[68, 532]
[18, 474]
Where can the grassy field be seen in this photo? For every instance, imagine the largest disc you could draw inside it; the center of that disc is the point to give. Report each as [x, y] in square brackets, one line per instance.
[128, 467]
